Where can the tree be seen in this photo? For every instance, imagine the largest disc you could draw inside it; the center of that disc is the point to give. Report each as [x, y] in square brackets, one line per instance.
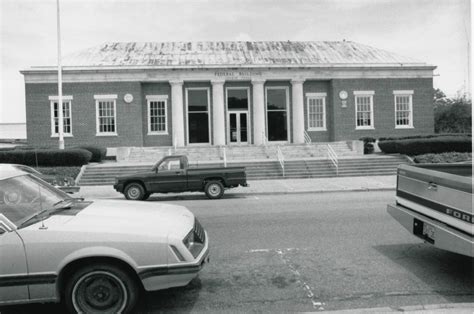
[452, 115]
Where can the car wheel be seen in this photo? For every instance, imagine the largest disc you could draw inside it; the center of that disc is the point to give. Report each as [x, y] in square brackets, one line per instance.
[101, 288]
[134, 191]
[214, 189]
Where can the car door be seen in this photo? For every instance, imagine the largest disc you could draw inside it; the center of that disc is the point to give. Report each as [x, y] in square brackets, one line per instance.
[170, 176]
[13, 269]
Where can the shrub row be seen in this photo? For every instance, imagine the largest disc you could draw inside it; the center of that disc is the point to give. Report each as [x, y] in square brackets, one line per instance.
[47, 157]
[443, 158]
[418, 146]
[422, 136]
[98, 153]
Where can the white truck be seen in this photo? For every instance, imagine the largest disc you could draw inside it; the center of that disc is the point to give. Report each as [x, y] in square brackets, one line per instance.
[434, 203]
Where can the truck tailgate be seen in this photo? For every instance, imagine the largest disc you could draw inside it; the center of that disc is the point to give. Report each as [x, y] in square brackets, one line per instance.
[438, 195]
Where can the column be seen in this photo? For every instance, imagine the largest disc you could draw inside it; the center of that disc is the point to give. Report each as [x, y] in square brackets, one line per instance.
[177, 116]
[218, 114]
[298, 110]
[258, 101]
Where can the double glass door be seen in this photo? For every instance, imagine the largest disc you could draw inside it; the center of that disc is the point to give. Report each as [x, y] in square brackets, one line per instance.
[238, 127]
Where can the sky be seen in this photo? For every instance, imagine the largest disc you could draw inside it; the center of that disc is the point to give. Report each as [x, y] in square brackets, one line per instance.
[433, 31]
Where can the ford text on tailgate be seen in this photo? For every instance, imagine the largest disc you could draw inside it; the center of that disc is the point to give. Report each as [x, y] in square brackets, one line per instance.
[434, 203]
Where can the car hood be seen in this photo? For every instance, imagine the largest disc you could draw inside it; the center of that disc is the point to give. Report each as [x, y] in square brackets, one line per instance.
[126, 217]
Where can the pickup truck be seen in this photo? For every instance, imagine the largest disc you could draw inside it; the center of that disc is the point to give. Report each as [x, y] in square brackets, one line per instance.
[434, 203]
[172, 174]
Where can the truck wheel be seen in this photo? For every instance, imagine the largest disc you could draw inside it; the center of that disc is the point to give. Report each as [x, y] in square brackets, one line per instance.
[214, 189]
[101, 288]
[134, 191]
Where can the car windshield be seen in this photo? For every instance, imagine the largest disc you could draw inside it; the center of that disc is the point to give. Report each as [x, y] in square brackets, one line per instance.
[25, 196]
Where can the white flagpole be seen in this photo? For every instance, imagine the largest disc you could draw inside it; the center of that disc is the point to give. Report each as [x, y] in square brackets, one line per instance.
[60, 85]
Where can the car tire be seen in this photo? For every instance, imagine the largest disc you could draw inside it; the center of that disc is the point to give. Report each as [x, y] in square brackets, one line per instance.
[146, 196]
[134, 191]
[214, 189]
[101, 288]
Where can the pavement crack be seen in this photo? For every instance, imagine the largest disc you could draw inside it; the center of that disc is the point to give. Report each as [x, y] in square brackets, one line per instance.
[318, 305]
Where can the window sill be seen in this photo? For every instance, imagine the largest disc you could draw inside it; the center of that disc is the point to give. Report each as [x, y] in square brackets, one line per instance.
[106, 134]
[64, 135]
[365, 128]
[157, 133]
[317, 129]
[404, 127]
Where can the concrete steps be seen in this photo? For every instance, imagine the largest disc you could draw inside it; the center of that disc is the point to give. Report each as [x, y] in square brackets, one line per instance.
[237, 153]
[263, 169]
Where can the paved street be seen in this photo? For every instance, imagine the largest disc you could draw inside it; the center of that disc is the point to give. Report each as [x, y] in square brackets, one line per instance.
[308, 252]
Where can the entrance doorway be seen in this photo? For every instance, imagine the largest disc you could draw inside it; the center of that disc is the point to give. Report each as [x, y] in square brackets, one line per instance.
[238, 122]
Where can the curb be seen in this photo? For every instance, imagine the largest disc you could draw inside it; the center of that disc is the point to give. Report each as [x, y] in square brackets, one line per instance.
[431, 308]
[317, 191]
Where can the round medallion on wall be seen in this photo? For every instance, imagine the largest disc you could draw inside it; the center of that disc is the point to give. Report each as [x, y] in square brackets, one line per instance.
[343, 95]
[128, 98]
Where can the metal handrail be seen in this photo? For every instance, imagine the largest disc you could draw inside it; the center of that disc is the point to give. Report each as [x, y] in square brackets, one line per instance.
[307, 138]
[281, 159]
[332, 156]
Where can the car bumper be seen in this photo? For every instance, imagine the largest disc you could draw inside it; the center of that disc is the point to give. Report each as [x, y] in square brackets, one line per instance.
[118, 187]
[441, 235]
[157, 278]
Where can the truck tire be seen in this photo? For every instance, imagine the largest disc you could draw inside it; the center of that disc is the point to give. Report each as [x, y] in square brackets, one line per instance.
[214, 189]
[134, 191]
[101, 288]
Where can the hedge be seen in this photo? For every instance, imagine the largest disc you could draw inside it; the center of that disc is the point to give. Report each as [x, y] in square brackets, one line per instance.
[422, 136]
[419, 146]
[47, 157]
[98, 153]
[443, 158]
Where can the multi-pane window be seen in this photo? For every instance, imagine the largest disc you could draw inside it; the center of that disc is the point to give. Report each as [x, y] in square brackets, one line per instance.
[316, 103]
[157, 114]
[106, 114]
[364, 106]
[403, 109]
[67, 121]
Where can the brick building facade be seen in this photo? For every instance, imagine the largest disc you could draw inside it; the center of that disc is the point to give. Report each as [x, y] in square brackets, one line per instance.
[225, 93]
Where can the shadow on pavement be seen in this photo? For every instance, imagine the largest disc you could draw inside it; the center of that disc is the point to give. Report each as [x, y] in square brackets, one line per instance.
[190, 197]
[437, 268]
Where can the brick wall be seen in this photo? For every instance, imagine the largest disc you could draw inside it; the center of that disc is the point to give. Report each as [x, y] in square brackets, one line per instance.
[344, 120]
[83, 107]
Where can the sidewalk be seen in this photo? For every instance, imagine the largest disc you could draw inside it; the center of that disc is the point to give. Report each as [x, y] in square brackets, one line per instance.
[454, 308]
[281, 186]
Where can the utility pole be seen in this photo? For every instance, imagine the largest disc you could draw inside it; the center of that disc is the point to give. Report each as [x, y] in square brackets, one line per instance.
[60, 84]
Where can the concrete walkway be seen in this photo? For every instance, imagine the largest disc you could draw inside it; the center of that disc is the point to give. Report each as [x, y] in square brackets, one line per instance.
[282, 186]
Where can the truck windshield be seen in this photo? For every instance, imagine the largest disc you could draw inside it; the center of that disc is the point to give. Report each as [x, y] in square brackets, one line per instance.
[25, 195]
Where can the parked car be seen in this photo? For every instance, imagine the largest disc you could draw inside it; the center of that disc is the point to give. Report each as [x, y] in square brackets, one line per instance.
[67, 184]
[172, 174]
[96, 256]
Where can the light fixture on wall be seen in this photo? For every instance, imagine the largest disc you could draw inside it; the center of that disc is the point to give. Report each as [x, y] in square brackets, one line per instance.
[128, 98]
[343, 96]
